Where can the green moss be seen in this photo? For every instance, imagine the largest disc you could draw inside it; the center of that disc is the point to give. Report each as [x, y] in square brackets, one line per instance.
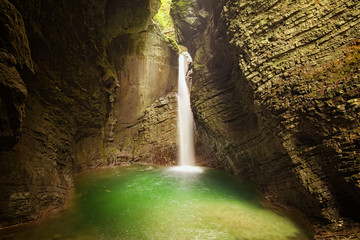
[102, 145]
[332, 79]
[166, 24]
[279, 64]
[163, 19]
[172, 43]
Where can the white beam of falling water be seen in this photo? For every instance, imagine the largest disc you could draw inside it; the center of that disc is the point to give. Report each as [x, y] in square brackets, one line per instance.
[186, 151]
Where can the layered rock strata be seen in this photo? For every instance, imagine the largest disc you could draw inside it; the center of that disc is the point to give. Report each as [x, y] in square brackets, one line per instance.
[78, 80]
[14, 53]
[276, 97]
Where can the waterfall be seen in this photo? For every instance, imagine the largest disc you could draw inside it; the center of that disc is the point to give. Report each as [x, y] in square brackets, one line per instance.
[186, 153]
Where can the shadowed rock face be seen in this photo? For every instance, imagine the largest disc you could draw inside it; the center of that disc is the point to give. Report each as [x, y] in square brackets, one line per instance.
[62, 107]
[276, 97]
[14, 51]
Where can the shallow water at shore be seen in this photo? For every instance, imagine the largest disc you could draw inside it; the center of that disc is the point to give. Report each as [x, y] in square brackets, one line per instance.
[148, 202]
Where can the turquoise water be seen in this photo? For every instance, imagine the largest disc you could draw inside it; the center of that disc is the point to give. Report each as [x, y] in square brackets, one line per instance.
[147, 202]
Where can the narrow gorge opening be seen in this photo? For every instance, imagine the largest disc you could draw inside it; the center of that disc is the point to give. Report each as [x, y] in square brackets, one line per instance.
[89, 116]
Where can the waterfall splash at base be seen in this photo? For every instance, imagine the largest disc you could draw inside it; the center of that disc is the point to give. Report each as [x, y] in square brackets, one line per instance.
[186, 153]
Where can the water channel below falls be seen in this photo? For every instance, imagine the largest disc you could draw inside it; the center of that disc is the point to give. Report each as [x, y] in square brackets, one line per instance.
[150, 202]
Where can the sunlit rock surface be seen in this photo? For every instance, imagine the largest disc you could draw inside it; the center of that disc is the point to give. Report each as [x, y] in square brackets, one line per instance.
[276, 97]
[142, 125]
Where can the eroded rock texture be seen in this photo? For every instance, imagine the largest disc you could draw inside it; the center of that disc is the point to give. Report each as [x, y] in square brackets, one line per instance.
[79, 80]
[276, 97]
[143, 128]
[14, 51]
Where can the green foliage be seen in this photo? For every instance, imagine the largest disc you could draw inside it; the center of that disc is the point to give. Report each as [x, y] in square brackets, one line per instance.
[163, 19]
[183, 4]
[172, 42]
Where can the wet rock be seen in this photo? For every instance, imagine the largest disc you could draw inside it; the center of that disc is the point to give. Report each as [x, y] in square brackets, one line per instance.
[74, 84]
[272, 81]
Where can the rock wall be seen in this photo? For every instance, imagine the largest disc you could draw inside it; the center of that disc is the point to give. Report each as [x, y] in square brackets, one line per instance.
[276, 97]
[14, 51]
[143, 123]
[75, 78]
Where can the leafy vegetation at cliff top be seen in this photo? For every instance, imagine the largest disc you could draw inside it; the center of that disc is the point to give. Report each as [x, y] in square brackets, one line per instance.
[163, 19]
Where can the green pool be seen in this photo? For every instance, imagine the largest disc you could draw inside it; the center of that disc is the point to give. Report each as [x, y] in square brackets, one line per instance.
[148, 202]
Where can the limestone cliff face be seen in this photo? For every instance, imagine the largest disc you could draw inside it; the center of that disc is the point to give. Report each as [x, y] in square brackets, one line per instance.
[143, 122]
[276, 97]
[70, 99]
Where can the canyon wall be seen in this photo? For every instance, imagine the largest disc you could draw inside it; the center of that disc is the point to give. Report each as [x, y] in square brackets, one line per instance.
[143, 123]
[275, 97]
[81, 83]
